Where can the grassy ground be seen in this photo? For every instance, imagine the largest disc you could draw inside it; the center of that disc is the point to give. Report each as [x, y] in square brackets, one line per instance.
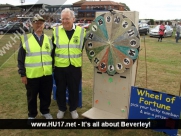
[158, 69]
[162, 65]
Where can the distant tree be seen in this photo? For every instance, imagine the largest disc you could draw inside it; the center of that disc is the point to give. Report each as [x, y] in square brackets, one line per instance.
[152, 22]
[157, 23]
[161, 21]
[126, 8]
[168, 22]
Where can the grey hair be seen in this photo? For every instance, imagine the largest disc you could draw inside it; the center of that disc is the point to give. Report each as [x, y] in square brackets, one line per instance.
[67, 10]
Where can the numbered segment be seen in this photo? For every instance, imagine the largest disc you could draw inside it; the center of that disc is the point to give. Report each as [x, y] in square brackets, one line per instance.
[110, 66]
[93, 37]
[130, 33]
[108, 19]
[126, 61]
[123, 27]
[102, 25]
[104, 61]
[90, 45]
[132, 42]
[129, 38]
[130, 52]
[97, 58]
[94, 32]
[119, 66]
[92, 53]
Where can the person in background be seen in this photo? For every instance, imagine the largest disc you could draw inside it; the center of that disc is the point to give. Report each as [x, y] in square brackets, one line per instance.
[35, 68]
[68, 42]
[161, 32]
[178, 30]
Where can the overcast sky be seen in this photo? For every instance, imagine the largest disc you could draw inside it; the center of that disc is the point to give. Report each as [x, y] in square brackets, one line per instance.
[148, 9]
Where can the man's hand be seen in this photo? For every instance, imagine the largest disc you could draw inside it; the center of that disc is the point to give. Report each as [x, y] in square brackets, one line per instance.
[24, 80]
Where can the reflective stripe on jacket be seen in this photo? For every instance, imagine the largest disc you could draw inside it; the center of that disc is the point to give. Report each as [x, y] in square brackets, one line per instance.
[68, 51]
[38, 60]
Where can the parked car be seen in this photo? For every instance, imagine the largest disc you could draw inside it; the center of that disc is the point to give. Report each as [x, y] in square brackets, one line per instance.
[1, 26]
[143, 28]
[86, 26]
[47, 26]
[155, 31]
[79, 24]
[12, 28]
[55, 25]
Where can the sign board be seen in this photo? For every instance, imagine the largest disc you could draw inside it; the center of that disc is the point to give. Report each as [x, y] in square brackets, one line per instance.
[148, 104]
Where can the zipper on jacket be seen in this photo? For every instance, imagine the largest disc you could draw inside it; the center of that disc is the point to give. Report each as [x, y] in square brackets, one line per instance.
[41, 59]
[69, 52]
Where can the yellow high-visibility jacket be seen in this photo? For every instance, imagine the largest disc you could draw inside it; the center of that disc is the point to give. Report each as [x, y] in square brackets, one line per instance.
[38, 60]
[68, 51]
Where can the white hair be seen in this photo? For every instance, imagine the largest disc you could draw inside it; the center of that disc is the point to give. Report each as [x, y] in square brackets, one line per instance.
[67, 10]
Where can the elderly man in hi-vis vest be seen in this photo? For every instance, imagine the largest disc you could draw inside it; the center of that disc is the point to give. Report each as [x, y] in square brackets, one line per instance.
[68, 45]
[35, 68]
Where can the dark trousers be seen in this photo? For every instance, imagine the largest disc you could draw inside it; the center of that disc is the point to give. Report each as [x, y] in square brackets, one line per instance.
[68, 77]
[160, 37]
[43, 87]
[178, 36]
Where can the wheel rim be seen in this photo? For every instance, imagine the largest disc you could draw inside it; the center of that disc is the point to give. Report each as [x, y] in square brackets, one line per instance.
[1, 32]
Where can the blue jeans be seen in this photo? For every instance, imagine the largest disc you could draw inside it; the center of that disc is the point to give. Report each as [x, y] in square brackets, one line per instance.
[178, 36]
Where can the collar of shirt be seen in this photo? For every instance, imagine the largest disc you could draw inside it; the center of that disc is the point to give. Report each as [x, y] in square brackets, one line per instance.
[73, 27]
[39, 37]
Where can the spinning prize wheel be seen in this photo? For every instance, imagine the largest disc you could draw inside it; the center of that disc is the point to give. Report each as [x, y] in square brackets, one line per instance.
[112, 43]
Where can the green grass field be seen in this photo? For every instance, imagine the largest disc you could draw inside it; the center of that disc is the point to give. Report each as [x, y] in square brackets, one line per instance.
[159, 69]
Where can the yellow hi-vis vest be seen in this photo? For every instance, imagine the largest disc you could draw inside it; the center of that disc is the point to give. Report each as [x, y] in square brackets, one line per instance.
[66, 51]
[38, 60]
